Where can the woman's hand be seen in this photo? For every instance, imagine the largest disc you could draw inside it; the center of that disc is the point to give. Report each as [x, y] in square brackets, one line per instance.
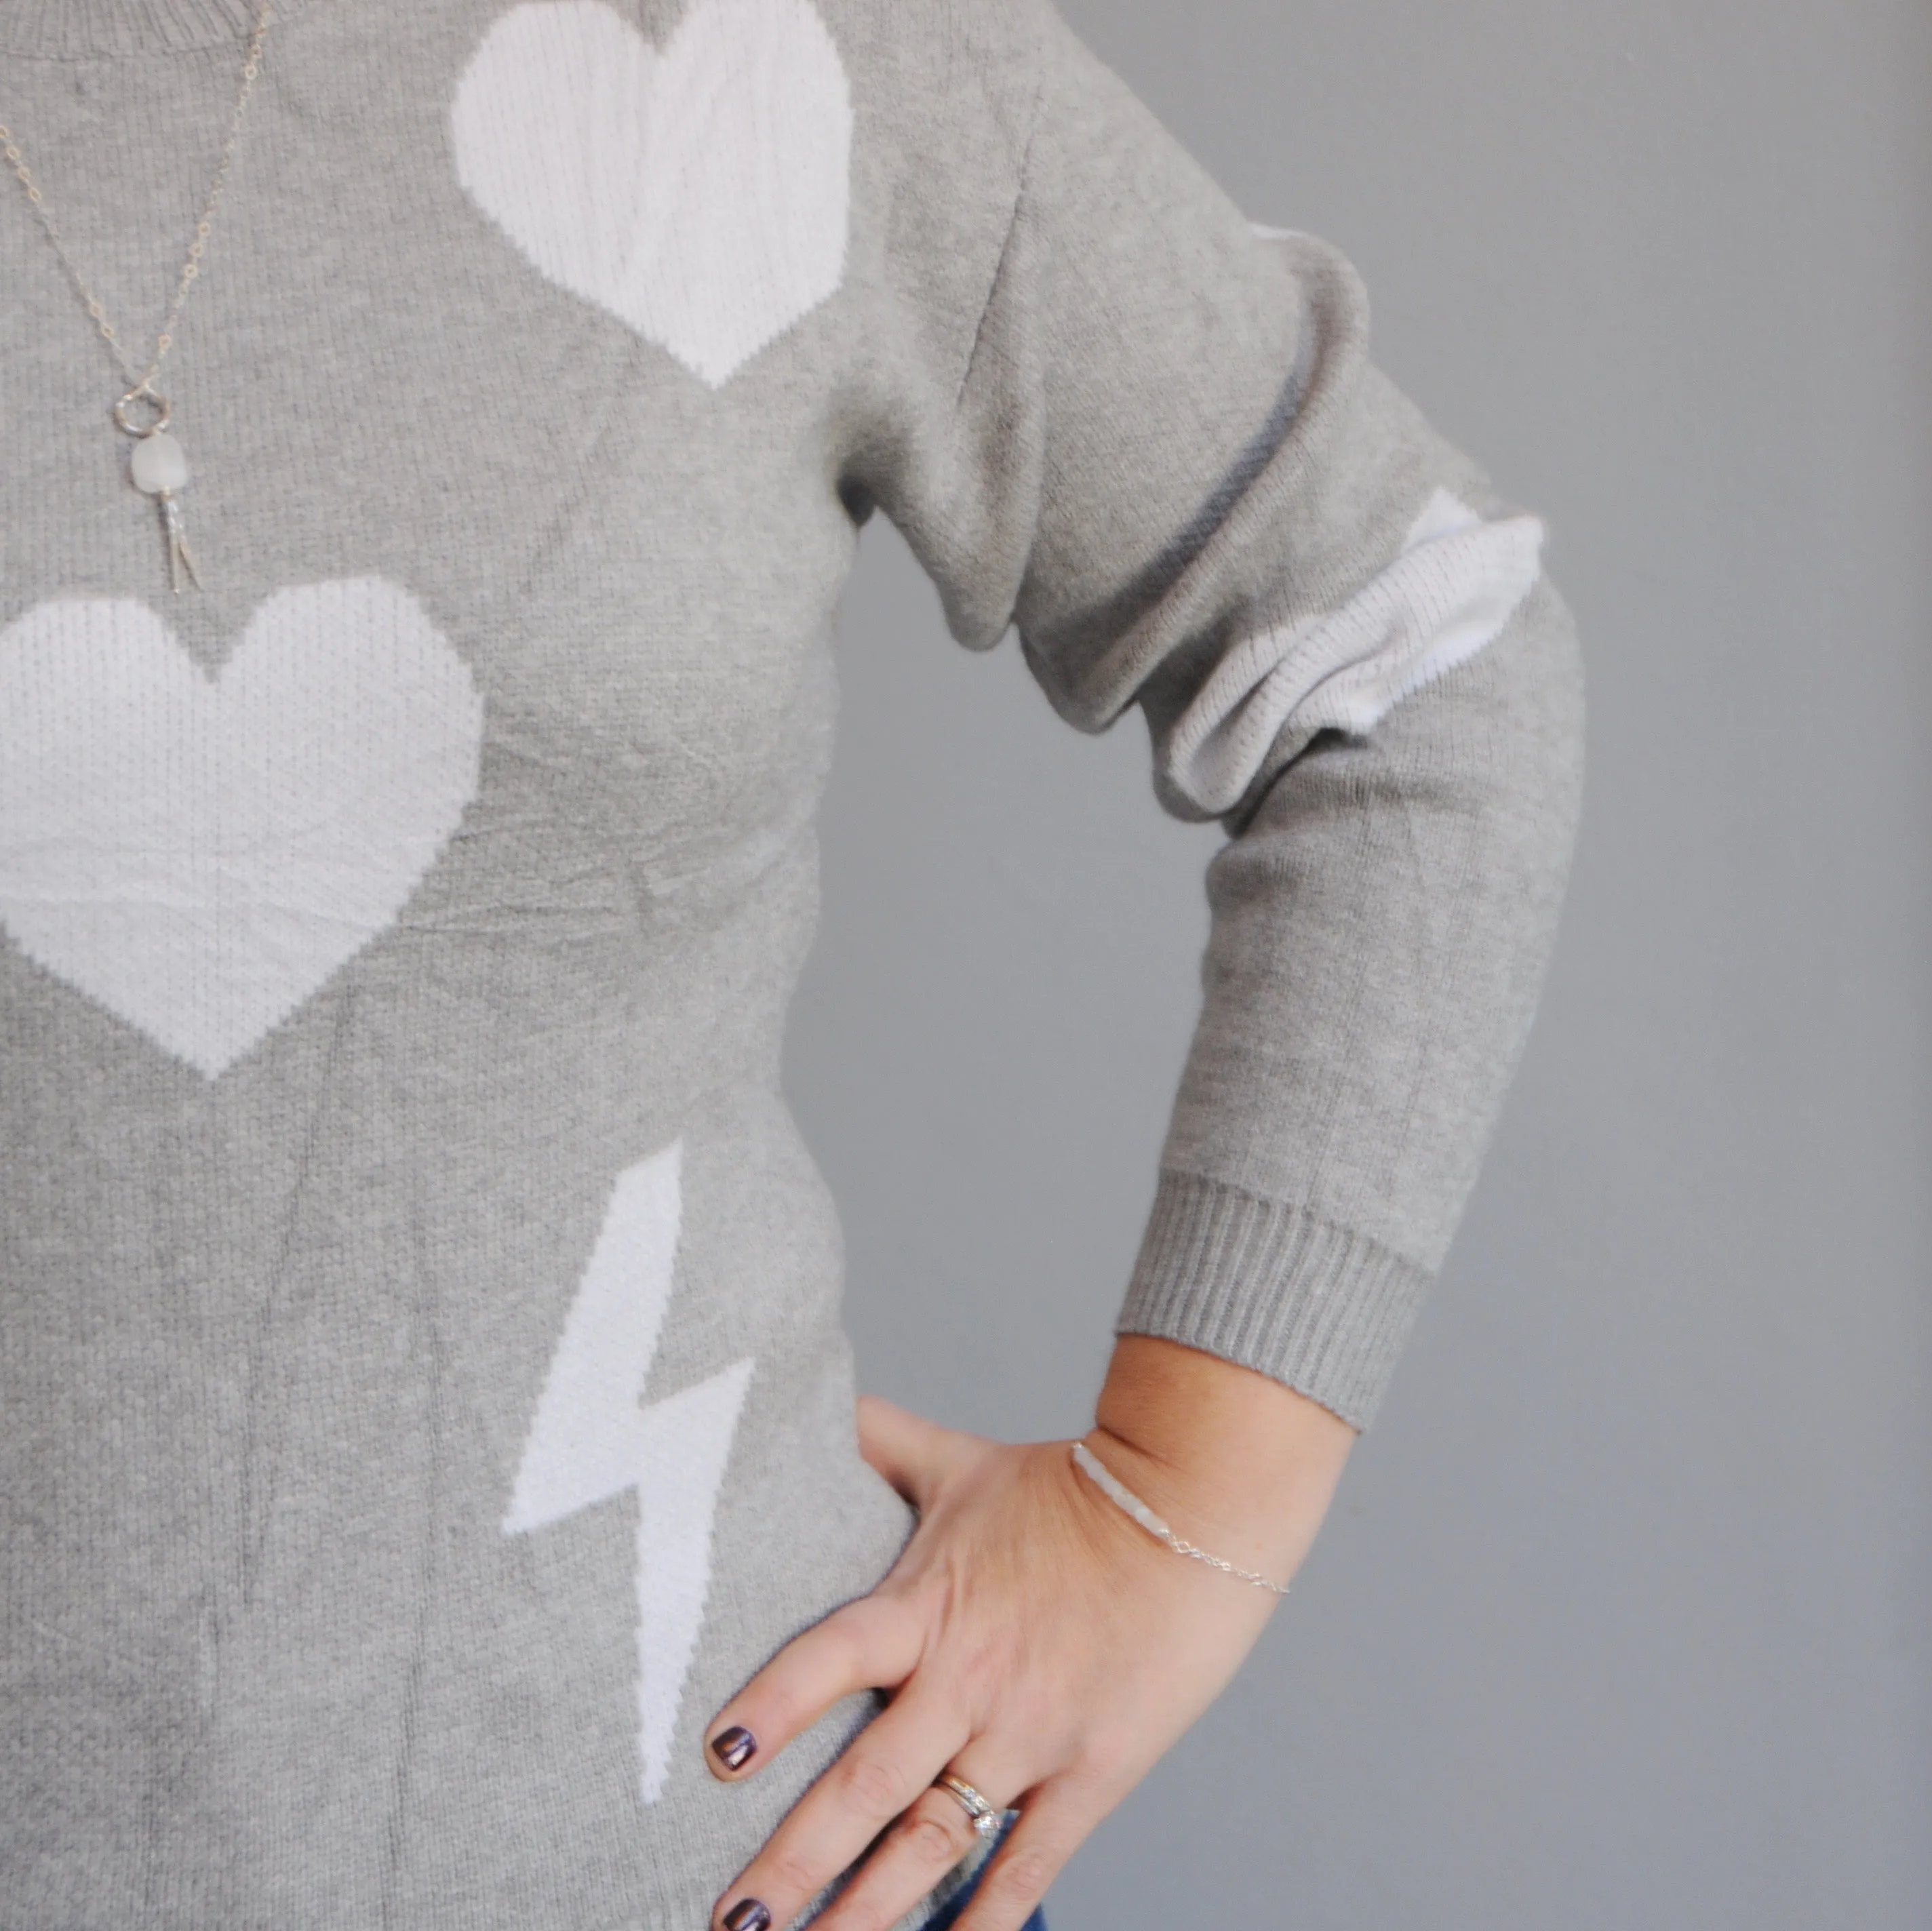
[1038, 1644]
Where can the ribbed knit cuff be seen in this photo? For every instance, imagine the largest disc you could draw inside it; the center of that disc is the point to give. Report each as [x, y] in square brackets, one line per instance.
[1273, 1287]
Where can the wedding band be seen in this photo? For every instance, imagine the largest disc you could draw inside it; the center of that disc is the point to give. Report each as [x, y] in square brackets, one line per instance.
[985, 1818]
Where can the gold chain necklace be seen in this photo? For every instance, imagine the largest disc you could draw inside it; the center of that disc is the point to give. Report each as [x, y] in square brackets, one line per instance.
[157, 466]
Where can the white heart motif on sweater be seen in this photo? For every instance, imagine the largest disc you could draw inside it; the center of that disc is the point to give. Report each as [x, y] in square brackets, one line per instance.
[700, 192]
[198, 854]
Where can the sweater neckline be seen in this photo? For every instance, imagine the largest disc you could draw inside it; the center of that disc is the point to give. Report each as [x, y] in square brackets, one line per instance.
[126, 29]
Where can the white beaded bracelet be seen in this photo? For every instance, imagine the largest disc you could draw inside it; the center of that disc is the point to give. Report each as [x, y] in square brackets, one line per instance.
[1124, 1498]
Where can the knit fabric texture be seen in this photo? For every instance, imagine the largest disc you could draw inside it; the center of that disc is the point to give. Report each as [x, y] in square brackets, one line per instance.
[423, 1395]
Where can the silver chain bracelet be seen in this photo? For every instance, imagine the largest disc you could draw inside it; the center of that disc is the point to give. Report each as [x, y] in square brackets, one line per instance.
[1125, 1499]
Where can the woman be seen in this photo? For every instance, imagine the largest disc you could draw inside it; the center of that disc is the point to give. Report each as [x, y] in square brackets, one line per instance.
[432, 1494]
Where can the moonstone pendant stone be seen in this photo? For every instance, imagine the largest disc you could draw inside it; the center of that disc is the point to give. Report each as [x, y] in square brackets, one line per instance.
[158, 463]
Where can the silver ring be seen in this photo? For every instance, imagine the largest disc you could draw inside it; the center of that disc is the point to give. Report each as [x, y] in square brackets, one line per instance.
[986, 1818]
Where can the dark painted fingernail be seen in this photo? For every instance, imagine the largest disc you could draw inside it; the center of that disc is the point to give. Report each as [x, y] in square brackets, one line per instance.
[734, 1749]
[747, 1915]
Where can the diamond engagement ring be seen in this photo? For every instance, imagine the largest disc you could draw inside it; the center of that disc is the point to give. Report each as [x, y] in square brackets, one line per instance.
[985, 1818]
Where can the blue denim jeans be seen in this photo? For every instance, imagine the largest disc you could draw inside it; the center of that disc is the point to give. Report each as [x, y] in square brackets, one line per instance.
[949, 1916]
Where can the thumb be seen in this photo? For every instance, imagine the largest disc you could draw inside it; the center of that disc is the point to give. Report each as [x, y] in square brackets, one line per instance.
[914, 1455]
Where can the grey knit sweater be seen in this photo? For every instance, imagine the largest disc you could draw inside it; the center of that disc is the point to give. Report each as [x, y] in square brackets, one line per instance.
[422, 1394]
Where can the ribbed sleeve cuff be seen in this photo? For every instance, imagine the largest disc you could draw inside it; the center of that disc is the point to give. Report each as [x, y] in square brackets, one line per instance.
[1273, 1287]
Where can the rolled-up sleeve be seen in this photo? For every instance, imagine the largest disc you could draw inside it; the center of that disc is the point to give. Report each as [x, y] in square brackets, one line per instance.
[1167, 457]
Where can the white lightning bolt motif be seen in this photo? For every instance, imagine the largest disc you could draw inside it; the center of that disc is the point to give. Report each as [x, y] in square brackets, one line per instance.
[593, 1438]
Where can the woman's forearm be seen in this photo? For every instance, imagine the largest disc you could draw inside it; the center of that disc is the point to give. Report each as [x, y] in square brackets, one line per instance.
[1235, 1461]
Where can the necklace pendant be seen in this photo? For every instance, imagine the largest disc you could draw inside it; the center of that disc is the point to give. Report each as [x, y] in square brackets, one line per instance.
[159, 468]
[180, 557]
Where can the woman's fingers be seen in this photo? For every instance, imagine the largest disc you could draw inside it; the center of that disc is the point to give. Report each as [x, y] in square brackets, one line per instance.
[1025, 1615]
[872, 1644]
[929, 1838]
[1054, 1820]
[883, 1772]
[912, 1454]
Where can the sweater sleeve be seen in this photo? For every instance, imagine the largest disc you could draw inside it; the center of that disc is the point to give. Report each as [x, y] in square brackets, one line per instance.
[1168, 459]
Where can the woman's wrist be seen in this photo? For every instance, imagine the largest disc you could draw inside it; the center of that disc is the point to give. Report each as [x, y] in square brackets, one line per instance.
[1235, 1461]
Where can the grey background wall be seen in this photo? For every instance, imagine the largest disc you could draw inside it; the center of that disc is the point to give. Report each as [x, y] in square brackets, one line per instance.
[1621, 1618]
